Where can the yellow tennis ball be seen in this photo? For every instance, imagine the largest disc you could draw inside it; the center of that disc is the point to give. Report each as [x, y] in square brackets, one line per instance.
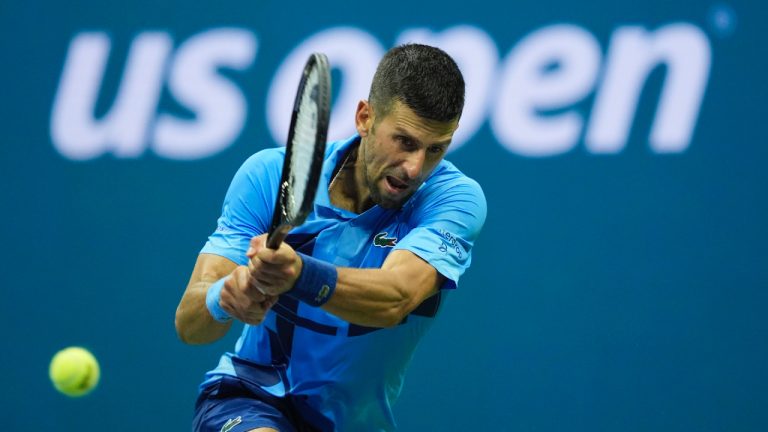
[74, 371]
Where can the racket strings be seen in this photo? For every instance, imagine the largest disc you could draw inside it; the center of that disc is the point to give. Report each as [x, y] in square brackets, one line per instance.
[303, 144]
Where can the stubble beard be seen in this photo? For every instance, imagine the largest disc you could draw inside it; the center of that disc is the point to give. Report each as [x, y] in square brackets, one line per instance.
[380, 199]
[374, 192]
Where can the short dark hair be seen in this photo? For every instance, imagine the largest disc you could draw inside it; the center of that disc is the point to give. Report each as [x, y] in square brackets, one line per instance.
[424, 78]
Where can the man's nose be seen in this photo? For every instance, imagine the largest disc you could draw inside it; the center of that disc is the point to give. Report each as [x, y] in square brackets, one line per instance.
[414, 164]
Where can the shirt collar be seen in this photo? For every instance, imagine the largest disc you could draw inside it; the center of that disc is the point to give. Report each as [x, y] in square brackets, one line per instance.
[338, 150]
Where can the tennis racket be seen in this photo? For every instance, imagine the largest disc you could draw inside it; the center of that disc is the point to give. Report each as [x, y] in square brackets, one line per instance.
[304, 150]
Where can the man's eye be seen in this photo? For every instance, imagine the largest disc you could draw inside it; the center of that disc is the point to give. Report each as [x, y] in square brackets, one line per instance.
[405, 142]
[436, 149]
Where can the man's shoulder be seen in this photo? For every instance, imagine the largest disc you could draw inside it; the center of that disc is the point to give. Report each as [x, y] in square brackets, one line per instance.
[262, 165]
[274, 156]
[265, 156]
[447, 176]
[446, 189]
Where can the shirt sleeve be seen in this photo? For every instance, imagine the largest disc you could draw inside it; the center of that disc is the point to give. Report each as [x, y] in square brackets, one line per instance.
[248, 205]
[447, 221]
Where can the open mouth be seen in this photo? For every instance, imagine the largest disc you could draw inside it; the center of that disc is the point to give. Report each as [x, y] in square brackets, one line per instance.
[396, 184]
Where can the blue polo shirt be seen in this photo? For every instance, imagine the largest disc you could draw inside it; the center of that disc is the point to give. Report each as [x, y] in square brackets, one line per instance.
[346, 374]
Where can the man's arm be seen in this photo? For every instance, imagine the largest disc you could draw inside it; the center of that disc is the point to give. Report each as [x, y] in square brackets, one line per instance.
[239, 298]
[380, 297]
[194, 324]
[384, 297]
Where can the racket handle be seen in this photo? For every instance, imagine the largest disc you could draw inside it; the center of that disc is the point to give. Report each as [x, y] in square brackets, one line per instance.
[276, 237]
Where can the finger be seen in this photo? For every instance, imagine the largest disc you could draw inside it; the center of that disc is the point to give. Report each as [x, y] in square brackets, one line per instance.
[256, 280]
[266, 254]
[249, 289]
[283, 255]
[241, 276]
[254, 264]
[256, 244]
[259, 267]
[266, 288]
[273, 272]
[225, 299]
[256, 291]
[269, 272]
[256, 273]
[269, 301]
[255, 288]
[229, 294]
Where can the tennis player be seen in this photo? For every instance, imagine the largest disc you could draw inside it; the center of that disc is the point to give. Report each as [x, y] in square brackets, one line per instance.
[333, 316]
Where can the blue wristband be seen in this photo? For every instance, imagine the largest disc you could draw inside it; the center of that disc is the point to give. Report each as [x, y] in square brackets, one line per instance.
[316, 283]
[212, 298]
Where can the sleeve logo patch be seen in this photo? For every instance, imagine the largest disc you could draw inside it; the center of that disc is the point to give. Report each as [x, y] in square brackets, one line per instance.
[381, 240]
[449, 242]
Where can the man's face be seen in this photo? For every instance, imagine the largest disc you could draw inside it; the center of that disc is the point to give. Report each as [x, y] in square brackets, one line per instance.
[399, 151]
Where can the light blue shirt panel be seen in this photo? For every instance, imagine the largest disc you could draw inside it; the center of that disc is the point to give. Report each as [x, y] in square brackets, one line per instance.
[446, 216]
[248, 205]
[355, 380]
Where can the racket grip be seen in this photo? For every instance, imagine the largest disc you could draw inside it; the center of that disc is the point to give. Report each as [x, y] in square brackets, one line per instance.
[276, 237]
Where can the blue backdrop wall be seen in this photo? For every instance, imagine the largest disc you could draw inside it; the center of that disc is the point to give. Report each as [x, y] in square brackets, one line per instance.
[620, 281]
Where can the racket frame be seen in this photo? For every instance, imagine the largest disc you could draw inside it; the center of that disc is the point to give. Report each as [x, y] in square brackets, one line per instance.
[282, 223]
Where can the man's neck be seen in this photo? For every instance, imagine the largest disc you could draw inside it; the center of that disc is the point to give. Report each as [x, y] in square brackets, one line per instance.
[347, 189]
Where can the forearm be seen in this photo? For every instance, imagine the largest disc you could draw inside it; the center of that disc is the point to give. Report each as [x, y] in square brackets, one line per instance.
[194, 324]
[380, 297]
[367, 297]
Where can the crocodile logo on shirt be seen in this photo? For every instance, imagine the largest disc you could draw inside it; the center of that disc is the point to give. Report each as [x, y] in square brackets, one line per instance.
[381, 240]
[231, 423]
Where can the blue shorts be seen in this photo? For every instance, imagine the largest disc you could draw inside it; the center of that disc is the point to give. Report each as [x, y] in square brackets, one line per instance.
[235, 404]
[229, 402]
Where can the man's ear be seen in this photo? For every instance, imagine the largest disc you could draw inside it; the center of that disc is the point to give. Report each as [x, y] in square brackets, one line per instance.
[363, 117]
